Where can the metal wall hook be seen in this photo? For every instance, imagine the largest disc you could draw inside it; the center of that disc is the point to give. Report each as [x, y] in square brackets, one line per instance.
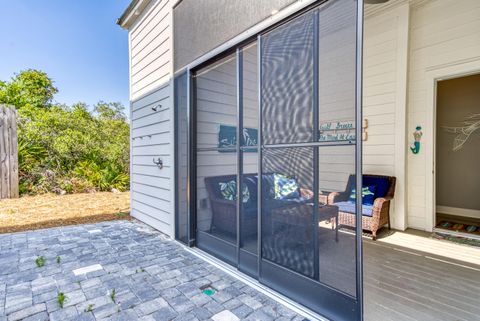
[158, 162]
[157, 107]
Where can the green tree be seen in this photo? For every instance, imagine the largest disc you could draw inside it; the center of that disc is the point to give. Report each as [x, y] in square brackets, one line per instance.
[113, 110]
[85, 150]
[66, 148]
[28, 87]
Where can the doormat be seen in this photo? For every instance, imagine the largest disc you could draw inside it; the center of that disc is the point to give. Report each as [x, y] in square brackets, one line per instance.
[459, 227]
[456, 239]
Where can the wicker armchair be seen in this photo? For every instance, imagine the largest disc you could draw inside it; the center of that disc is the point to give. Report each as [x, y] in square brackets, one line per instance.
[373, 217]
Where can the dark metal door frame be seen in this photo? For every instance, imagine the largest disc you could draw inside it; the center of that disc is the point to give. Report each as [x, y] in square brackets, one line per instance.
[317, 296]
[191, 189]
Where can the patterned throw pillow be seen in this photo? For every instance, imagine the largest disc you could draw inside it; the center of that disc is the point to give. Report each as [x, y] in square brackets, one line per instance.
[229, 191]
[368, 193]
[285, 187]
[245, 194]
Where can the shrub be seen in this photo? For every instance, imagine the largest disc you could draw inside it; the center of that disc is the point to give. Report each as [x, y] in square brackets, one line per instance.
[66, 149]
[104, 177]
[70, 149]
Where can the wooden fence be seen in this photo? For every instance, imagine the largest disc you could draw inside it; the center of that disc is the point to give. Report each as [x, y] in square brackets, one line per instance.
[8, 152]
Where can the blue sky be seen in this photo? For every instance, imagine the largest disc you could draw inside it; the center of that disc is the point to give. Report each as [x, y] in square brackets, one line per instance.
[76, 42]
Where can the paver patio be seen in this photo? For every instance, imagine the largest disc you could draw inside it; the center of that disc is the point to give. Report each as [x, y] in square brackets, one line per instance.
[154, 278]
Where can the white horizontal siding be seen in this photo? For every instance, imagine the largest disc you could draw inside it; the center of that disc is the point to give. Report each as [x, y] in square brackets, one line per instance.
[384, 107]
[442, 32]
[152, 130]
[151, 50]
[378, 98]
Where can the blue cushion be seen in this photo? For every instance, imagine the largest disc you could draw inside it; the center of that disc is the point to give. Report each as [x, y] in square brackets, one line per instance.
[368, 193]
[349, 207]
[381, 183]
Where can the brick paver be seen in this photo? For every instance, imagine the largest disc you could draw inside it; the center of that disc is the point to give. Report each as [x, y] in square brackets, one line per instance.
[143, 276]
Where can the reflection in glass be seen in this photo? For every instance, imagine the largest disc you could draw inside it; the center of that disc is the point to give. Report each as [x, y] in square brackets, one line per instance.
[249, 150]
[288, 209]
[216, 194]
[307, 98]
[216, 103]
[301, 231]
[336, 113]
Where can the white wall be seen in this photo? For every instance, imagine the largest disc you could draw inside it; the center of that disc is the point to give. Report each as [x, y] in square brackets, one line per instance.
[444, 36]
[384, 99]
[408, 44]
[152, 133]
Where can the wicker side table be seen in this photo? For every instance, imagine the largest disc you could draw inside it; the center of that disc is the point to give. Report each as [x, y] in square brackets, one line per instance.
[323, 197]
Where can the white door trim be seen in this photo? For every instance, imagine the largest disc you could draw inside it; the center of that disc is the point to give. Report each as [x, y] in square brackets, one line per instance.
[434, 74]
[455, 211]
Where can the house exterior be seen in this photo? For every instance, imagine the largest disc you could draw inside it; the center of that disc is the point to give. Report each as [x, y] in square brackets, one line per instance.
[179, 50]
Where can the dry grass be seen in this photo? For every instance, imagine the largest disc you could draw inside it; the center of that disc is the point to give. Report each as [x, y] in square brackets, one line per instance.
[35, 212]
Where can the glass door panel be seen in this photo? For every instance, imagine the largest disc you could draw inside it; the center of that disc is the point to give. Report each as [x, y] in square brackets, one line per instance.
[216, 158]
[336, 164]
[337, 248]
[248, 88]
[308, 168]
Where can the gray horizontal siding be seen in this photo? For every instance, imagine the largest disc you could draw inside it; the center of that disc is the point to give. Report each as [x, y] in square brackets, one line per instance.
[152, 117]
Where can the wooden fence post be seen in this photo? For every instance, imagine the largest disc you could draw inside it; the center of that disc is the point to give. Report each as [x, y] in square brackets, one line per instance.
[8, 152]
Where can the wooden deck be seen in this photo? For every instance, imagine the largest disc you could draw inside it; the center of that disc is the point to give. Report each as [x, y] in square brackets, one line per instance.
[409, 276]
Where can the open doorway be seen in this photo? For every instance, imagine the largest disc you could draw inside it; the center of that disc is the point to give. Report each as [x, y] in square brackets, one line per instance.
[457, 157]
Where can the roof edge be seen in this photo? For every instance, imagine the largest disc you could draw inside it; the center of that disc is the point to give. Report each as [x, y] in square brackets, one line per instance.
[133, 11]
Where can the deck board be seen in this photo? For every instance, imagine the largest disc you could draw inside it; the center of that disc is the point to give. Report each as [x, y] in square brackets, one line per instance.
[405, 278]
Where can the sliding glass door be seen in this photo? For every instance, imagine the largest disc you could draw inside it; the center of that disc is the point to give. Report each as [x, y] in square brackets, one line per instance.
[308, 148]
[248, 158]
[226, 151]
[217, 158]
[275, 158]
